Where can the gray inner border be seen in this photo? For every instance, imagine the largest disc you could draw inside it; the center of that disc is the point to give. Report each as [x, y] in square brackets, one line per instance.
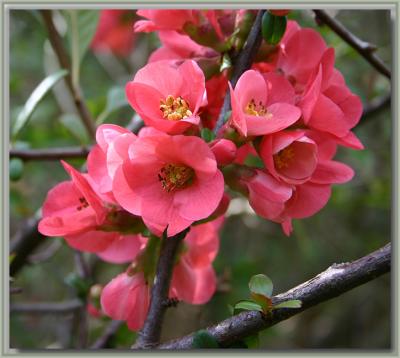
[6, 6]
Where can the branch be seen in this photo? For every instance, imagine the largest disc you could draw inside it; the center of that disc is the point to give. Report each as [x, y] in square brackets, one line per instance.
[150, 334]
[57, 44]
[109, 333]
[365, 49]
[49, 154]
[334, 281]
[243, 62]
[47, 307]
[374, 107]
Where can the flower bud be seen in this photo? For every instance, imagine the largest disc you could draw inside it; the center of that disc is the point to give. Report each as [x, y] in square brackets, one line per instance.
[224, 151]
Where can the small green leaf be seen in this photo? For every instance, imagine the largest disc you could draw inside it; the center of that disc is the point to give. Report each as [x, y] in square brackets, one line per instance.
[226, 63]
[230, 309]
[116, 99]
[261, 285]
[207, 135]
[246, 305]
[203, 339]
[289, 304]
[252, 342]
[273, 28]
[37, 95]
[254, 161]
[16, 169]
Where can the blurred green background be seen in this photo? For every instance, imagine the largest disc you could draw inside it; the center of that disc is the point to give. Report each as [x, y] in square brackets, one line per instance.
[355, 222]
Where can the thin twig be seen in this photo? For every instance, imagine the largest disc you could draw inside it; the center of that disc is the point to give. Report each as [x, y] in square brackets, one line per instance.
[375, 107]
[47, 307]
[50, 154]
[365, 49]
[63, 59]
[151, 332]
[104, 340]
[242, 63]
[334, 281]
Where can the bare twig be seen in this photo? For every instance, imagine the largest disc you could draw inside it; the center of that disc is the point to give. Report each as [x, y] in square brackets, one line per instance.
[63, 59]
[47, 307]
[49, 154]
[110, 331]
[242, 63]
[365, 49]
[334, 281]
[150, 334]
[374, 107]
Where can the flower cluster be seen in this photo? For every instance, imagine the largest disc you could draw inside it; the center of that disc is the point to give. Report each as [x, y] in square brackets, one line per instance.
[289, 113]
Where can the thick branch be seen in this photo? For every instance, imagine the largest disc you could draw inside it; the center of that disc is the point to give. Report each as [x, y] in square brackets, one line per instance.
[242, 63]
[334, 281]
[49, 154]
[47, 307]
[57, 44]
[365, 49]
[110, 331]
[150, 334]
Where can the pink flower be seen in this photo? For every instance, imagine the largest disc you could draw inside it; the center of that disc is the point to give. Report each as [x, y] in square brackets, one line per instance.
[224, 151]
[193, 278]
[164, 20]
[168, 97]
[171, 181]
[289, 156]
[127, 298]
[262, 104]
[114, 32]
[106, 155]
[124, 249]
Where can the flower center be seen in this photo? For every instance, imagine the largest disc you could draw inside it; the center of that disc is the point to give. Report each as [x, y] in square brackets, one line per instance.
[258, 110]
[283, 158]
[84, 204]
[174, 176]
[175, 109]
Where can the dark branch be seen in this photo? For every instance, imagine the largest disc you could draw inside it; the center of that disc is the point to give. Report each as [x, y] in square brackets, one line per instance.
[24, 242]
[49, 154]
[63, 59]
[242, 63]
[365, 49]
[150, 334]
[375, 107]
[47, 307]
[334, 281]
[104, 340]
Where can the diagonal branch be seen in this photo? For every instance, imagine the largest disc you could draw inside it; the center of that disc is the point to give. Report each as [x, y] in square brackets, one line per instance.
[109, 333]
[242, 64]
[57, 44]
[334, 281]
[365, 49]
[150, 334]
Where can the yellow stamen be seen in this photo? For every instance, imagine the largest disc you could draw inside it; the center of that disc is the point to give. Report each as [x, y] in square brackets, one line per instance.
[258, 110]
[175, 109]
[283, 158]
[174, 176]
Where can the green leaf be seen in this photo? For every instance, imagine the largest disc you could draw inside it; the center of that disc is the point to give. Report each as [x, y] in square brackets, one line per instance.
[252, 341]
[226, 63]
[16, 169]
[230, 309]
[254, 161]
[203, 339]
[246, 305]
[207, 135]
[116, 99]
[261, 285]
[273, 28]
[37, 95]
[289, 304]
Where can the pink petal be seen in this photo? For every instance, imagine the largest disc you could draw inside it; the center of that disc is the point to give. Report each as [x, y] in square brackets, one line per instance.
[124, 249]
[97, 169]
[237, 119]
[279, 89]
[332, 172]
[251, 86]
[92, 241]
[106, 133]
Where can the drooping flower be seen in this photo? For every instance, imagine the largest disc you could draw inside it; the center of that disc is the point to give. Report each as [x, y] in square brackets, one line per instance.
[127, 298]
[164, 20]
[170, 181]
[262, 104]
[168, 97]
